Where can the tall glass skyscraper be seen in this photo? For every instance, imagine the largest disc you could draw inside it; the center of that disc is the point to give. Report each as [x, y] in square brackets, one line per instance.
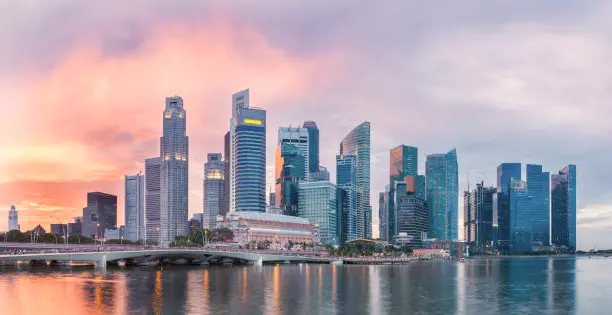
[247, 155]
[313, 146]
[213, 189]
[225, 197]
[174, 151]
[290, 170]
[411, 218]
[505, 173]
[383, 215]
[346, 181]
[134, 208]
[530, 210]
[403, 163]
[318, 203]
[357, 143]
[153, 198]
[563, 205]
[443, 195]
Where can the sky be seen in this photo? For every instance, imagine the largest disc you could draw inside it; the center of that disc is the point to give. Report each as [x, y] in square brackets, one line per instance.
[84, 84]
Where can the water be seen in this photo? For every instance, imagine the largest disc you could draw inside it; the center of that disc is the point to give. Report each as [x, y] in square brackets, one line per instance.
[507, 286]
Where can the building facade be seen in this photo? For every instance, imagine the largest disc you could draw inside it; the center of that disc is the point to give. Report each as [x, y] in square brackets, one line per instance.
[290, 171]
[174, 151]
[403, 168]
[411, 215]
[213, 189]
[13, 219]
[563, 208]
[530, 211]
[321, 175]
[134, 208]
[247, 155]
[318, 204]
[478, 209]
[225, 198]
[505, 173]
[346, 181]
[357, 143]
[313, 146]
[299, 137]
[383, 215]
[100, 214]
[443, 195]
[153, 199]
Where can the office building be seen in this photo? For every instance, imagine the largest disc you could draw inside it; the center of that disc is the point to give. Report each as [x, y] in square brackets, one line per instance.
[134, 208]
[174, 149]
[530, 211]
[153, 199]
[478, 209]
[403, 168]
[299, 138]
[321, 175]
[411, 215]
[383, 215]
[346, 181]
[272, 199]
[213, 189]
[13, 219]
[100, 214]
[443, 195]
[290, 170]
[313, 146]
[59, 229]
[318, 204]
[75, 228]
[505, 173]
[247, 155]
[563, 206]
[357, 143]
[225, 197]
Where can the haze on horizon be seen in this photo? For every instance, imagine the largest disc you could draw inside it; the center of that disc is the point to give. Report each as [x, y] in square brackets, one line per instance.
[84, 84]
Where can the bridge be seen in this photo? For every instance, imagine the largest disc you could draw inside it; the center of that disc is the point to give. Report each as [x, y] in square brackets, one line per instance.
[101, 256]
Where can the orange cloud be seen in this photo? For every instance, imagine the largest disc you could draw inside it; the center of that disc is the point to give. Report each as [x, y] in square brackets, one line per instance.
[97, 115]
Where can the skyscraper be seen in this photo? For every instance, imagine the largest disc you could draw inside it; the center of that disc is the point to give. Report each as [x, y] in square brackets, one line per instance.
[478, 216]
[213, 189]
[318, 203]
[13, 219]
[403, 168]
[442, 195]
[300, 138]
[153, 198]
[100, 214]
[357, 143]
[505, 173]
[225, 197]
[174, 151]
[247, 155]
[538, 184]
[383, 215]
[411, 218]
[272, 199]
[563, 206]
[346, 181]
[290, 170]
[313, 146]
[134, 208]
[530, 210]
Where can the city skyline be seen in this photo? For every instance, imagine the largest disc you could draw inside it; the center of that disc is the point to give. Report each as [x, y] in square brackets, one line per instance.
[295, 83]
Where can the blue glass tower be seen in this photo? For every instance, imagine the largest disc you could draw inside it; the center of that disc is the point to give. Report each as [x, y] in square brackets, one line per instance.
[505, 173]
[313, 145]
[250, 160]
[403, 162]
[290, 170]
[357, 143]
[443, 195]
[563, 205]
[346, 181]
[530, 210]
[318, 203]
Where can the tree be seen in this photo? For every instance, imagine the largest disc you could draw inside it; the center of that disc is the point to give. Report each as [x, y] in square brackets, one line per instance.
[222, 235]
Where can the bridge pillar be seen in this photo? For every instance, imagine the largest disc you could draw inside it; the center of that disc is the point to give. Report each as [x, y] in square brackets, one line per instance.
[287, 262]
[101, 263]
[259, 261]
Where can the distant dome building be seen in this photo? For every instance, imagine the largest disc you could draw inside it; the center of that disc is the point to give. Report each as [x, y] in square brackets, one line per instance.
[13, 221]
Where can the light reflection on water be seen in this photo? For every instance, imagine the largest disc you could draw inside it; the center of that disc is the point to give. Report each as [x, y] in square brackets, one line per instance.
[508, 286]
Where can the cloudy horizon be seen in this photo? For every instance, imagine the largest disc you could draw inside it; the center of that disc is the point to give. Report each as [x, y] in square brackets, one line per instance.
[84, 86]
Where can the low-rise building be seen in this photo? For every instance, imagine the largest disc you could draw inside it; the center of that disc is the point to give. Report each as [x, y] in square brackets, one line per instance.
[250, 226]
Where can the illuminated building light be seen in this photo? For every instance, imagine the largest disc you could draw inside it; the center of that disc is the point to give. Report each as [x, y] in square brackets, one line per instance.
[252, 122]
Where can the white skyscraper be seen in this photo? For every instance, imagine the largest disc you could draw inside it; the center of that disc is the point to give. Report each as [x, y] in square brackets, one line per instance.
[153, 198]
[134, 208]
[13, 222]
[174, 149]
